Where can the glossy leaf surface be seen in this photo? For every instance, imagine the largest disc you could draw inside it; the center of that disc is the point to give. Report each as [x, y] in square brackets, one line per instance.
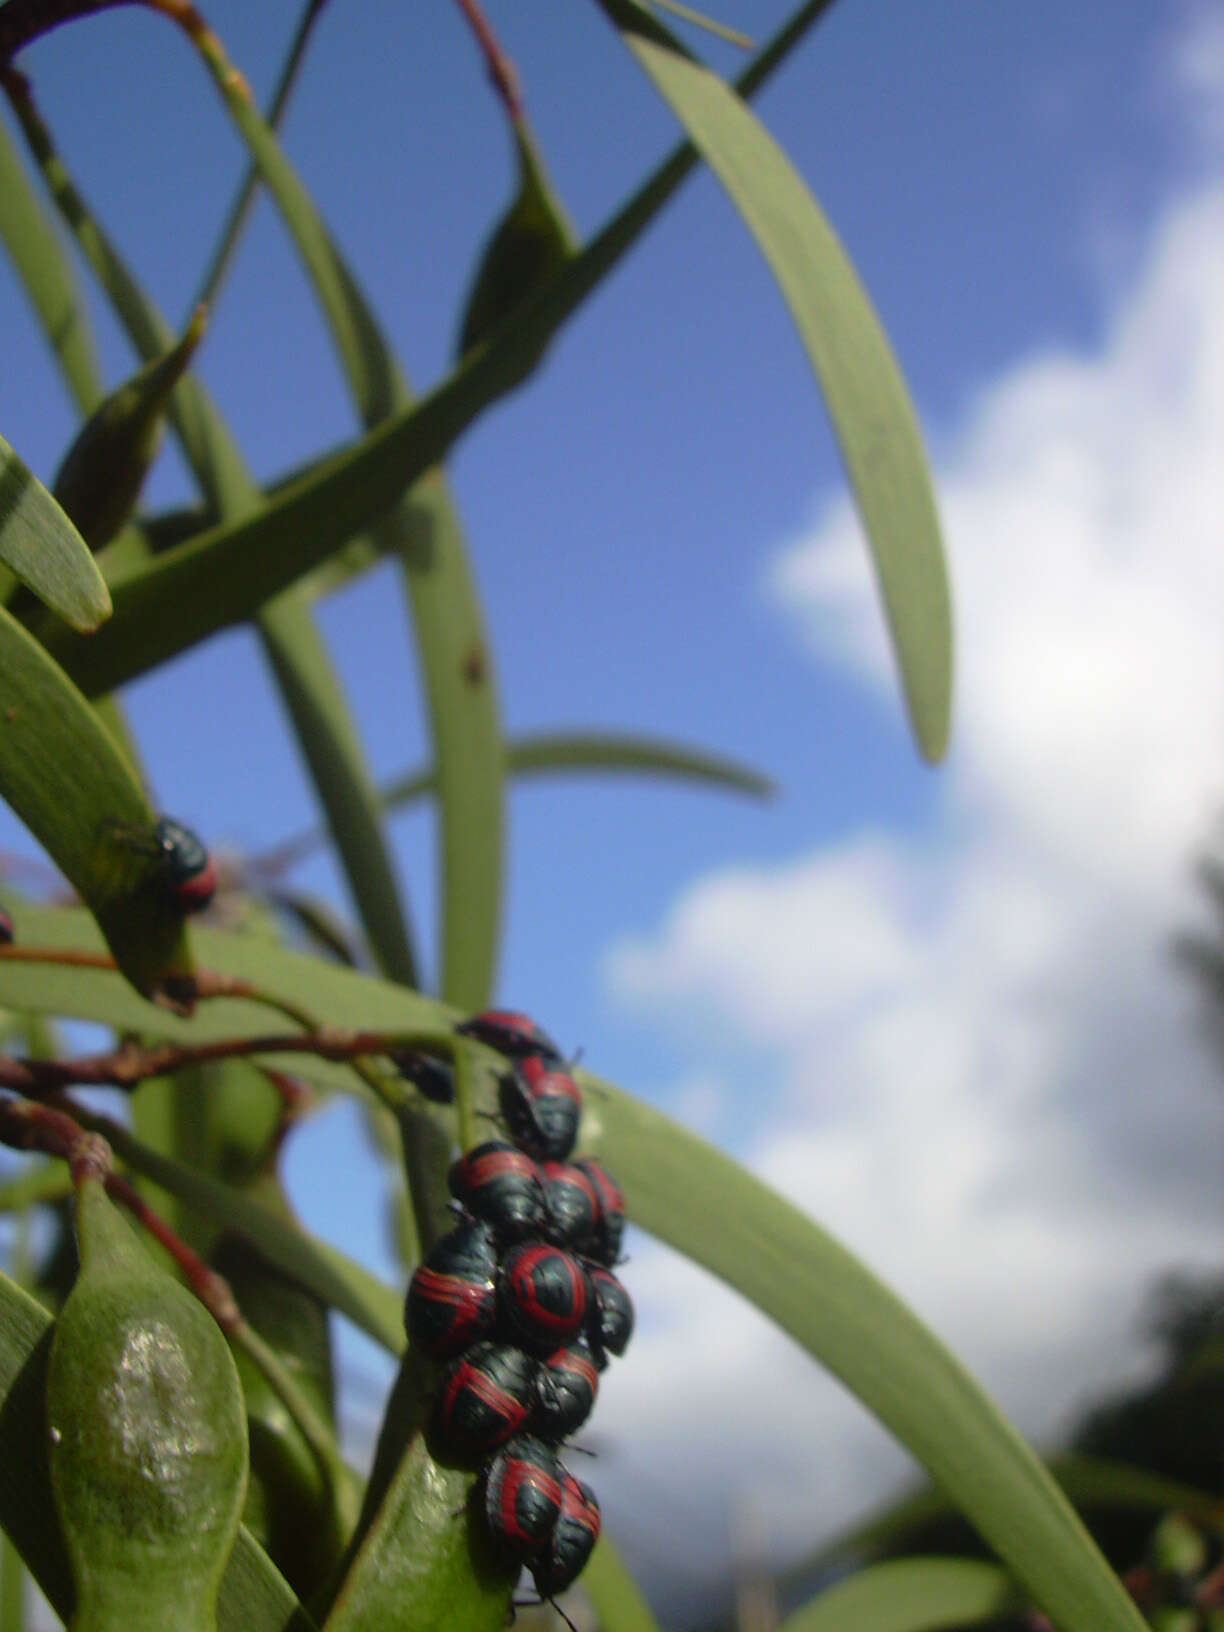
[40, 545]
[841, 334]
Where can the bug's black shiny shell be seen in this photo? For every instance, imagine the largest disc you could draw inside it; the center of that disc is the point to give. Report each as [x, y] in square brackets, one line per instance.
[184, 856]
[572, 1541]
[7, 931]
[610, 1322]
[605, 1242]
[543, 1296]
[452, 1297]
[566, 1386]
[542, 1106]
[510, 1033]
[522, 1495]
[434, 1078]
[484, 1397]
[502, 1185]
[573, 1205]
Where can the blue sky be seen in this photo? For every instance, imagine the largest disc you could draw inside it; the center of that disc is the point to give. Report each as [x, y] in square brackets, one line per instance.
[943, 1000]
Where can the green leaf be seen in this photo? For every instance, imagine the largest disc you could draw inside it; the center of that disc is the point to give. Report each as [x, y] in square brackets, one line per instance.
[867, 399]
[457, 670]
[220, 577]
[424, 1558]
[328, 739]
[63, 775]
[41, 546]
[333, 1278]
[101, 476]
[704, 1204]
[254, 1596]
[529, 245]
[582, 753]
[910, 1595]
[595, 752]
[1088, 1482]
[619, 1602]
[47, 277]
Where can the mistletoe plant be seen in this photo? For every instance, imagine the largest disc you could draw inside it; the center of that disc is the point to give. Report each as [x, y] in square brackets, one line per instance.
[160, 1466]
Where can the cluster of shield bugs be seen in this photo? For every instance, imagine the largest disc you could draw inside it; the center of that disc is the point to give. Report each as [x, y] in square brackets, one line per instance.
[520, 1303]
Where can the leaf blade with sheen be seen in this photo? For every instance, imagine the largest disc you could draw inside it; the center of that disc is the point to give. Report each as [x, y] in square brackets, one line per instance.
[910, 1595]
[866, 397]
[41, 546]
[687, 1193]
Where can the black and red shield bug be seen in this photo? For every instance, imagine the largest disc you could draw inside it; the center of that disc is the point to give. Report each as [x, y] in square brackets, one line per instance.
[452, 1297]
[543, 1296]
[485, 1396]
[573, 1205]
[541, 1104]
[566, 1386]
[605, 1243]
[185, 865]
[502, 1185]
[522, 1495]
[572, 1541]
[184, 871]
[434, 1078]
[610, 1322]
[512, 1034]
[7, 931]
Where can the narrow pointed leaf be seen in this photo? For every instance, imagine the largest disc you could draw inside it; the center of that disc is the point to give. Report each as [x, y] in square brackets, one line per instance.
[254, 1595]
[910, 1595]
[578, 752]
[103, 471]
[867, 399]
[465, 724]
[64, 776]
[691, 1195]
[40, 545]
[529, 245]
[47, 277]
[595, 752]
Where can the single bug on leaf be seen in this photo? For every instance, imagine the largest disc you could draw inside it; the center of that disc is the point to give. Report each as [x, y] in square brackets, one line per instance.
[566, 1386]
[502, 1185]
[7, 931]
[183, 869]
[543, 1296]
[572, 1541]
[452, 1297]
[522, 1495]
[434, 1078]
[485, 1396]
[541, 1104]
[510, 1033]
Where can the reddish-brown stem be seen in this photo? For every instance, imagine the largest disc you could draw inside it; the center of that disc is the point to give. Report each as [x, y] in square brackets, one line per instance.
[213, 1290]
[132, 1062]
[501, 70]
[26, 1125]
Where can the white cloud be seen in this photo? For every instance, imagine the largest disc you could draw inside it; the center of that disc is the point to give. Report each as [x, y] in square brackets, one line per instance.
[991, 1084]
